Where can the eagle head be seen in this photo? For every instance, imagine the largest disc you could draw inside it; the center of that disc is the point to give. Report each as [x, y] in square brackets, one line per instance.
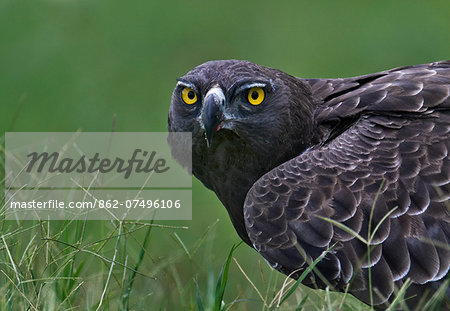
[243, 109]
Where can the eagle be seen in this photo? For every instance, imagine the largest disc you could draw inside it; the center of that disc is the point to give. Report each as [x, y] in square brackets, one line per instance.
[356, 170]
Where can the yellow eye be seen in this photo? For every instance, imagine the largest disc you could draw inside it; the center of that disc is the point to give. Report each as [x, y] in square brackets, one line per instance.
[255, 96]
[189, 96]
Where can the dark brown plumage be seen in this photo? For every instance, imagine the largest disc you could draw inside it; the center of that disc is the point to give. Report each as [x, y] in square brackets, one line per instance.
[349, 150]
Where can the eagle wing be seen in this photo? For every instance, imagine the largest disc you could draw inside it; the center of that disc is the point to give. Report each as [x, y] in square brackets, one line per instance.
[385, 152]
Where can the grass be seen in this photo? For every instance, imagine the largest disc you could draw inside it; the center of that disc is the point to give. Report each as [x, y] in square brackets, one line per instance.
[53, 265]
[46, 266]
[130, 265]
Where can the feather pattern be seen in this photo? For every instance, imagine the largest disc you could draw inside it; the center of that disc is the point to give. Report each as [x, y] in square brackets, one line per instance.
[394, 158]
[358, 164]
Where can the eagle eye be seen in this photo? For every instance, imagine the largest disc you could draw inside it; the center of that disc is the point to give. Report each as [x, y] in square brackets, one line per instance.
[255, 96]
[188, 95]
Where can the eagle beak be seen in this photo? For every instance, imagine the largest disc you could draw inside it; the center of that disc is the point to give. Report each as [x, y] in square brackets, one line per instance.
[213, 112]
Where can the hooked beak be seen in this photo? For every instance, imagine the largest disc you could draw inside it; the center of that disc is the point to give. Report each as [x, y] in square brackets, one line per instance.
[213, 112]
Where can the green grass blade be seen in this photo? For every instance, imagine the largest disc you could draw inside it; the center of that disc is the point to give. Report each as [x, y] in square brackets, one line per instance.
[131, 278]
[202, 239]
[304, 275]
[198, 297]
[400, 295]
[223, 278]
[344, 227]
[178, 240]
[438, 298]
[302, 303]
[380, 223]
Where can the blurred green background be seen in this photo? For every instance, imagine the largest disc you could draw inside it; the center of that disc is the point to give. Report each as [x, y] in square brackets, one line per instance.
[67, 65]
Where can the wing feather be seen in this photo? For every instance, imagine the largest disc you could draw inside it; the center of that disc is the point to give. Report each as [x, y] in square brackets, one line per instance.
[392, 159]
